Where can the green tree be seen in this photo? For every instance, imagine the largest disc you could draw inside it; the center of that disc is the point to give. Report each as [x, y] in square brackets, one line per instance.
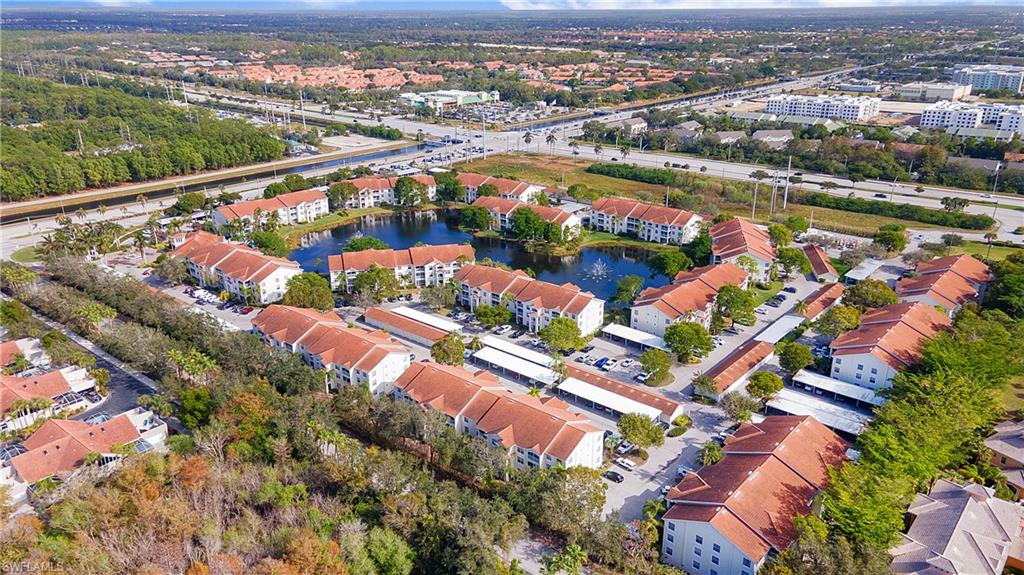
[781, 235]
[627, 289]
[171, 269]
[739, 406]
[641, 430]
[295, 182]
[390, 553]
[562, 334]
[837, 319]
[794, 356]
[569, 561]
[704, 385]
[657, 363]
[764, 385]
[375, 285]
[309, 290]
[196, 405]
[870, 293]
[670, 263]
[270, 243]
[339, 193]
[791, 259]
[736, 304]
[710, 453]
[892, 241]
[275, 189]
[528, 225]
[410, 192]
[487, 190]
[491, 316]
[448, 350]
[796, 224]
[954, 204]
[476, 218]
[687, 340]
[440, 296]
[365, 243]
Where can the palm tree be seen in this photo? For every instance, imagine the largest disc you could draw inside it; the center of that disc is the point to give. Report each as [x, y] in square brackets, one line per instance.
[140, 244]
[476, 344]
[528, 137]
[990, 237]
[101, 210]
[534, 392]
[273, 220]
[142, 200]
[551, 139]
[81, 214]
[598, 150]
[624, 150]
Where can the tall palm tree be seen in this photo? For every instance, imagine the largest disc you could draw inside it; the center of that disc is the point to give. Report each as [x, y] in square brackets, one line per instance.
[139, 243]
[598, 150]
[101, 210]
[141, 198]
[990, 237]
[624, 150]
[551, 139]
[528, 137]
[575, 150]
[81, 214]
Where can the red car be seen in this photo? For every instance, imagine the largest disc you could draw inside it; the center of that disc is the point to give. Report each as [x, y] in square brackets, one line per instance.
[246, 309]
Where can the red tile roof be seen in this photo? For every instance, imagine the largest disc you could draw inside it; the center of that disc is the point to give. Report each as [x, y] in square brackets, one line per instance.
[505, 186]
[59, 446]
[652, 213]
[740, 236]
[405, 324]
[692, 290]
[963, 265]
[822, 299]
[740, 362]
[507, 206]
[283, 201]
[947, 288]
[820, 263]
[235, 260]
[373, 183]
[47, 386]
[767, 477]
[667, 406]
[8, 351]
[566, 298]
[391, 259]
[895, 333]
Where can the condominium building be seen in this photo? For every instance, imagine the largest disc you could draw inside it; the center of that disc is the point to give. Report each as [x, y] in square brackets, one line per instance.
[948, 114]
[648, 222]
[533, 303]
[730, 517]
[946, 283]
[849, 108]
[418, 266]
[351, 355]
[690, 297]
[933, 91]
[293, 208]
[991, 77]
[745, 244]
[23, 400]
[236, 268]
[535, 432]
[372, 191]
[505, 188]
[501, 211]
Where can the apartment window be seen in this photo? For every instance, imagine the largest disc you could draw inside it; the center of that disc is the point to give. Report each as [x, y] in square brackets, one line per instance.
[696, 565]
[1002, 461]
[839, 361]
[672, 526]
[697, 551]
[874, 370]
[714, 559]
[699, 539]
[746, 562]
[668, 550]
[860, 367]
[871, 379]
[716, 548]
[713, 572]
[670, 538]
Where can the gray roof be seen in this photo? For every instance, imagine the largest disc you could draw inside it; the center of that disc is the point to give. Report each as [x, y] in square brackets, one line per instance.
[691, 125]
[729, 135]
[1008, 440]
[999, 135]
[778, 135]
[955, 529]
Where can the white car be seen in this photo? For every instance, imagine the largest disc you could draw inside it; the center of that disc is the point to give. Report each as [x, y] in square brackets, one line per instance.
[609, 365]
[503, 329]
[627, 363]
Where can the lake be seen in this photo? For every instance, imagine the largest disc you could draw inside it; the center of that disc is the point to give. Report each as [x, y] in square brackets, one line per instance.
[594, 269]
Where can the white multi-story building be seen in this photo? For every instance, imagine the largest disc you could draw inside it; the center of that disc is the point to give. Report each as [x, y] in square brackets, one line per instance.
[351, 355]
[236, 268]
[504, 187]
[948, 114]
[533, 303]
[743, 243]
[441, 100]
[991, 77]
[501, 211]
[933, 91]
[293, 208]
[535, 432]
[372, 192]
[418, 266]
[61, 390]
[648, 222]
[849, 108]
[690, 297]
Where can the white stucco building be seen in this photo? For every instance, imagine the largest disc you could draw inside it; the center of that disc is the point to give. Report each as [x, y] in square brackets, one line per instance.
[501, 211]
[849, 108]
[648, 222]
[243, 272]
[947, 114]
[991, 77]
[743, 243]
[293, 208]
[504, 187]
[372, 192]
[690, 297]
[418, 266]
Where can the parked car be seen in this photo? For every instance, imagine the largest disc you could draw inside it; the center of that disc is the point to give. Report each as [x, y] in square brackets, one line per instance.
[613, 476]
[789, 289]
[609, 365]
[518, 334]
[683, 470]
[625, 464]
[772, 303]
[625, 448]
[880, 195]
[503, 330]
[627, 363]
[587, 349]
[642, 377]
[779, 297]
[761, 311]
[247, 310]
[665, 489]
[732, 330]
[600, 363]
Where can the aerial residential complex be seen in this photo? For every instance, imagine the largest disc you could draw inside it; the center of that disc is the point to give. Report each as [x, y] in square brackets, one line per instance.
[293, 208]
[372, 192]
[239, 270]
[505, 188]
[56, 391]
[647, 222]
[743, 243]
[690, 297]
[849, 108]
[991, 77]
[535, 432]
[351, 355]
[964, 115]
[729, 517]
[418, 266]
[533, 303]
[501, 210]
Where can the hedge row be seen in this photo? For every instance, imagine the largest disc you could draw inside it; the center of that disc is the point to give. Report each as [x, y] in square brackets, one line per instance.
[660, 176]
[901, 211]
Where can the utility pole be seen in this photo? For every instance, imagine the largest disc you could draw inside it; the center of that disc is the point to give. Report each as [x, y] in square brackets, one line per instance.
[302, 108]
[483, 133]
[785, 194]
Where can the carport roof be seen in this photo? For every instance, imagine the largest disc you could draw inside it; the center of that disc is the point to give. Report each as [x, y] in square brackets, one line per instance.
[607, 398]
[830, 414]
[517, 365]
[779, 328]
[635, 336]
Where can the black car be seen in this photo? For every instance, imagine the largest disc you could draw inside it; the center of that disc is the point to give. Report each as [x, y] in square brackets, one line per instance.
[772, 303]
[613, 476]
[880, 195]
[789, 289]
[566, 353]
[779, 297]
[587, 349]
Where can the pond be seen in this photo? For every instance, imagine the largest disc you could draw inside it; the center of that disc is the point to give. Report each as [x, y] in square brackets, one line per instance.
[594, 269]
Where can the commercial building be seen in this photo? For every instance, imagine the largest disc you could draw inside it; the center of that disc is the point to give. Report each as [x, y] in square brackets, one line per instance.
[965, 116]
[690, 297]
[418, 266]
[774, 139]
[351, 355]
[1007, 447]
[503, 187]
[888, 340]
[745, 244]
[730, 517]
[732, 372]
[860, 85]
[960, 529]
[648, 222]
[849, 108]
[241, 271]
[991, 77]
[933, 91]
[631, 127]
[372, 192]
[533, 303]
[534, 432]
[442, 100]
[60, 446]
[293, 208]
[501, 210]
[23, 400]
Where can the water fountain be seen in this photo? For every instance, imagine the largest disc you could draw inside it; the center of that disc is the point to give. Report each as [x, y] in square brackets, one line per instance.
[598, 270]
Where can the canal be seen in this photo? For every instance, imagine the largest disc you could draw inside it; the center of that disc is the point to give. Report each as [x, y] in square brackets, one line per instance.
[594, 269]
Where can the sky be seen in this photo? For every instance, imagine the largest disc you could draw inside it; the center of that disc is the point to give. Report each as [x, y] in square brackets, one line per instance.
[506, 4]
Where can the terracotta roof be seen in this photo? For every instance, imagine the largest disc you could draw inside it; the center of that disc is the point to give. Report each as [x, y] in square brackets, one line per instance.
[372, 183]
[505, 186]
[740, 236]
[964, 265]
[652, 213]
[414, 256]
[566, 298]
[895, 333]
[47, 385]
[667, 406]
[767, 476]
[329, 338]
[8, 351]
[820, 263]
[948, 288]
[822, 299]
[445, 388]
[59, 446]
[402, 323]
[235, 260]
[283, 201]
[507, 206]
[692, 290]
[741, 361]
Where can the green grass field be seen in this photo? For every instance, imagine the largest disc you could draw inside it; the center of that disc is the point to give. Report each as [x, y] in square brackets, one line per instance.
[25, 255]
[980, 249]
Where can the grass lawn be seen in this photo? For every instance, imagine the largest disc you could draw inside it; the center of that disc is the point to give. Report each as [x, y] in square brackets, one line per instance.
[763, 295]
[1013, 397]
[26, 255]
[595, 239]
[292, 234]
[841, 268]
[980, 249]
